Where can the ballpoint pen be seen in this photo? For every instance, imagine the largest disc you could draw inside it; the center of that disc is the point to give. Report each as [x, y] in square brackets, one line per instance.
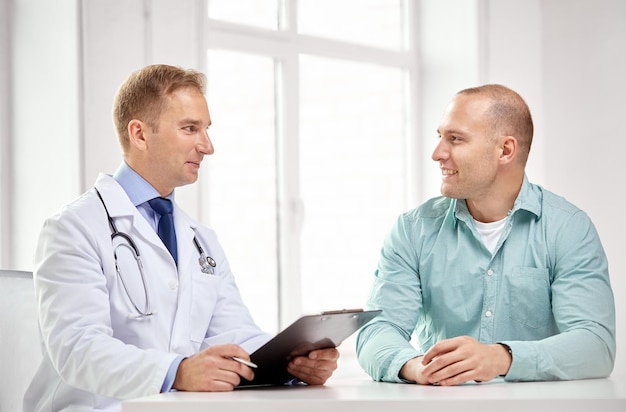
[245, 362]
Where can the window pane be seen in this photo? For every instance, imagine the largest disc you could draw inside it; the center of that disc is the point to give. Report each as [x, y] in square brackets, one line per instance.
[352, 150]
[241, 177]
[258, 13]
[378, 23]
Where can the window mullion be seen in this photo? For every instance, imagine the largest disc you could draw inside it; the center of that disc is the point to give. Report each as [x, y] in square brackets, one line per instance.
[290, 205]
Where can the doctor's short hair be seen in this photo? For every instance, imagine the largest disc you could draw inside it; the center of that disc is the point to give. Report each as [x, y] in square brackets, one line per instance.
[144, 95]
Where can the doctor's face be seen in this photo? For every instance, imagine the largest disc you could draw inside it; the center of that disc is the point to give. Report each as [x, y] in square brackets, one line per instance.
[176, 148]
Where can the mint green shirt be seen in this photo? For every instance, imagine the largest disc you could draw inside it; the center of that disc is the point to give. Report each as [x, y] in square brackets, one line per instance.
[545, 291]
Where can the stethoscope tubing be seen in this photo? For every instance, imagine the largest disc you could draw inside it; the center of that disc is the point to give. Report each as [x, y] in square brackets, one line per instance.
[207, 263]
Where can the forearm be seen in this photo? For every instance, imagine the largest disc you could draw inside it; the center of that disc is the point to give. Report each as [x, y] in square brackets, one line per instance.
[382, 353]
[577, 354]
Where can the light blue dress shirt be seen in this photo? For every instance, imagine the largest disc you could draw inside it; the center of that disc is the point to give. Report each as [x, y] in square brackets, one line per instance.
[545, 291]
[139, 191]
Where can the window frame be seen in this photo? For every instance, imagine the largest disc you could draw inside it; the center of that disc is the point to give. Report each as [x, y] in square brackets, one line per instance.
[284, 46]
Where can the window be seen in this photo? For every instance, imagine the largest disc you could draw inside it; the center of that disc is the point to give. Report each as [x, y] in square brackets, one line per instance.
[378, 23]
[352, 134]
[257, 13]
[310, 103]
[241, 189]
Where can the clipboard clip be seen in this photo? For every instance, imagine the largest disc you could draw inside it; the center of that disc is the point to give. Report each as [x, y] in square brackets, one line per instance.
[335, 312]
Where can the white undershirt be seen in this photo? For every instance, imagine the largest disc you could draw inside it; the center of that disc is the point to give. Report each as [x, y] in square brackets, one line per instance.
[490, 232]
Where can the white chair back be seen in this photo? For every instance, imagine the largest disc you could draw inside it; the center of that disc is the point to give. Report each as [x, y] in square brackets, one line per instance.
[20, 350]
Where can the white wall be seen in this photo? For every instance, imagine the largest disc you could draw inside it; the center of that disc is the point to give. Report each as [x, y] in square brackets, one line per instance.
[5, 119]
[566, 57]
[583, 89]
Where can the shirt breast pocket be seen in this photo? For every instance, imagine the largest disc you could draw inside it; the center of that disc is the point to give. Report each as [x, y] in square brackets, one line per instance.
[204, 294]
[530, 297]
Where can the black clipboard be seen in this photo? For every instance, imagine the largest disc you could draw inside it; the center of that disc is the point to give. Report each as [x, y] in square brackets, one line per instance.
[309, 332]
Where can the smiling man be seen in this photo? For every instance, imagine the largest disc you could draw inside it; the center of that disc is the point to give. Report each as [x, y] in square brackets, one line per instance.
[497, 277]
[135, 297]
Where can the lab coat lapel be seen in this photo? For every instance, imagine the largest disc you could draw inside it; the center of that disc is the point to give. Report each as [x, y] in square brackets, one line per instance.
[126, 216]
[187, 252]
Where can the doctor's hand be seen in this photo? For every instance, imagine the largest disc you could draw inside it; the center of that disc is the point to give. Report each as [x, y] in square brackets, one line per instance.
[316, 367]
[213, 370]
[461, 359]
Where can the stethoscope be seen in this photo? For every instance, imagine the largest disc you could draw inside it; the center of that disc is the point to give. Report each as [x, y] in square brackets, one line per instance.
[207, 263]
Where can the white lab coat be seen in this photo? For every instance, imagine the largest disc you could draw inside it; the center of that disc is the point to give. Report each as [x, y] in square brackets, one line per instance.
[94, 355]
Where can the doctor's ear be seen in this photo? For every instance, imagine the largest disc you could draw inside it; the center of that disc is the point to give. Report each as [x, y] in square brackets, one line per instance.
[136, 133]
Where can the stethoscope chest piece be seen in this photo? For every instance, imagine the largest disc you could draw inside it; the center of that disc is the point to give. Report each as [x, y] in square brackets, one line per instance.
[207, 264]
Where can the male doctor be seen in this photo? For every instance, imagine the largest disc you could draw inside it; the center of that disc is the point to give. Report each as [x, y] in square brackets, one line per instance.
[123, 313]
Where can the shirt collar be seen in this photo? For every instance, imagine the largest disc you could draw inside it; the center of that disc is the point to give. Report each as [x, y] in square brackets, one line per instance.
[136, 187]
[528, 199]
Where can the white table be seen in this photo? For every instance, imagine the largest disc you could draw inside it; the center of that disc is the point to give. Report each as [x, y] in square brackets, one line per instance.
[354, 391]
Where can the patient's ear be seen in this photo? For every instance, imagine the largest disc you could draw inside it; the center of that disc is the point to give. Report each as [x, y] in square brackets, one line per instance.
[508, 149]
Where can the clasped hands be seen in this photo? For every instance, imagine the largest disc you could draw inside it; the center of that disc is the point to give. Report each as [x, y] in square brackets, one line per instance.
[458, 360]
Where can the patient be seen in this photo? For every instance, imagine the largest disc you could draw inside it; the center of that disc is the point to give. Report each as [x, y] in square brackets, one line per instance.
[497, 277]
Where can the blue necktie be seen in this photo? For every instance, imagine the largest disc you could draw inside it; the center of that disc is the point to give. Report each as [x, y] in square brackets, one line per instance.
[166, 230]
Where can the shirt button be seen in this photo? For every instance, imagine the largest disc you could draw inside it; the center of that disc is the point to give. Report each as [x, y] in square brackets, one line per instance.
[488, 313]
[490, 272]
[173, 284]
